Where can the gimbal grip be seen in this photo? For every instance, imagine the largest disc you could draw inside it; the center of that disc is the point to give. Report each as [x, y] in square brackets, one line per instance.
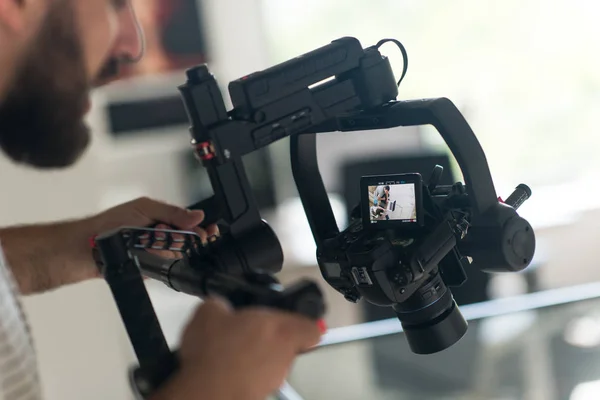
[304, 298]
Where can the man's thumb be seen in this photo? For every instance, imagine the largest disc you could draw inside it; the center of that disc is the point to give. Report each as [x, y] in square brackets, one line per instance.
[169, 214]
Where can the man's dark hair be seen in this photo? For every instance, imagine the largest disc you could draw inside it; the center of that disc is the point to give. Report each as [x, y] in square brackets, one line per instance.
[387, 187]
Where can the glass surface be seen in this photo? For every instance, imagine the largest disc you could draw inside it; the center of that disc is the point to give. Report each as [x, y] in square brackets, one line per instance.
[550, 353]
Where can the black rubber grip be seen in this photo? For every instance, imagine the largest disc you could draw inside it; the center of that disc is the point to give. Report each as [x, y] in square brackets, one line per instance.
[518, 197]
[138, 315]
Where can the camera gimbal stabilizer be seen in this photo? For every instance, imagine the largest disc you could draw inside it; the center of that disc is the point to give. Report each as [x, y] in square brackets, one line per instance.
[338, 87]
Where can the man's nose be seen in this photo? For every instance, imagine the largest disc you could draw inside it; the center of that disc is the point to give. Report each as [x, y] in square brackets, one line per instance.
[130, 44]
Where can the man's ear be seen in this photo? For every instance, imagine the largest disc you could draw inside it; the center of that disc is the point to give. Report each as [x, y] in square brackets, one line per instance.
[13, 15]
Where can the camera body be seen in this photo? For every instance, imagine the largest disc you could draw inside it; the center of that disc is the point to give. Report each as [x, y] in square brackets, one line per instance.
[378, 257]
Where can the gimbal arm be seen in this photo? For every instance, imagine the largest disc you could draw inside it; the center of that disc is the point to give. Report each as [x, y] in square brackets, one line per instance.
[499, 240]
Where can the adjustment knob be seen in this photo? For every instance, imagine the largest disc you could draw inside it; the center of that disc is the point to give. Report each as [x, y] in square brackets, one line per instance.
[518, 197]
[198, 74]
[519, 243]
[436, 175]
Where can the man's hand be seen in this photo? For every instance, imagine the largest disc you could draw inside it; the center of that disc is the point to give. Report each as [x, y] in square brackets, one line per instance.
[237, 355]
[44, 257]
[145, 212]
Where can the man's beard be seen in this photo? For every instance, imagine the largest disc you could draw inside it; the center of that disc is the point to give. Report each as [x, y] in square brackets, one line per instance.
[42, 116]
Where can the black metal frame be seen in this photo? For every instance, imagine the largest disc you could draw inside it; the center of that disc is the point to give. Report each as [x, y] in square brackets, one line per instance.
[440, 112]
[281, 102]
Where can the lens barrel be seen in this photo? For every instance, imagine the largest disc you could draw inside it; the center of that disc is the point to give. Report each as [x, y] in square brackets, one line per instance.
[431, 319]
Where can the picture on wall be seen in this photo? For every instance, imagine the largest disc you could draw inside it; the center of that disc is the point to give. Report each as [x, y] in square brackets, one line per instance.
[146, 97]
[173, 36]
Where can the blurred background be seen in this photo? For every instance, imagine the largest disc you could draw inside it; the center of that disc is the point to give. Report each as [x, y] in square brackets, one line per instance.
[525, 75]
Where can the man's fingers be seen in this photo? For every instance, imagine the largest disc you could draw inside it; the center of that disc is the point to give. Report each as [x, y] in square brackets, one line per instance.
[202, 233]
[209, 234]
[169, 214]
[300, 331]
[305, 332]
[210, 318]
[213, 231]
[213, 309]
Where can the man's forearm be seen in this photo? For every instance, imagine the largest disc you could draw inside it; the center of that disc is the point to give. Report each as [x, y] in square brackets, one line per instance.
[44, 257]
[47, 256]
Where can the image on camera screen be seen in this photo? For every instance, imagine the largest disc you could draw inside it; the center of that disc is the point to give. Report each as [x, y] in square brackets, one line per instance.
[393, 202]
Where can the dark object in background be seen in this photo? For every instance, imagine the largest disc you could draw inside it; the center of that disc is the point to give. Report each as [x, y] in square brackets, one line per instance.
[176, 35]
[127, 117]
[175, 38]
[182, 46]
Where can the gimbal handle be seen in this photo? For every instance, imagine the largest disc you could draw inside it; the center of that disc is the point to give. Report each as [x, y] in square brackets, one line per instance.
[122, 260]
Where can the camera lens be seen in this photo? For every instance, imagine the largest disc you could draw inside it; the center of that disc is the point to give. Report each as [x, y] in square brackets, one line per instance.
[430, 318]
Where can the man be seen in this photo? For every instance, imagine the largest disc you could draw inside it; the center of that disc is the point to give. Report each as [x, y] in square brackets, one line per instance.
[382, 194]
[52, 52]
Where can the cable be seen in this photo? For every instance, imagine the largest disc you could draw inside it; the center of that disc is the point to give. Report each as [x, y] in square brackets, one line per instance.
[404, 54]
